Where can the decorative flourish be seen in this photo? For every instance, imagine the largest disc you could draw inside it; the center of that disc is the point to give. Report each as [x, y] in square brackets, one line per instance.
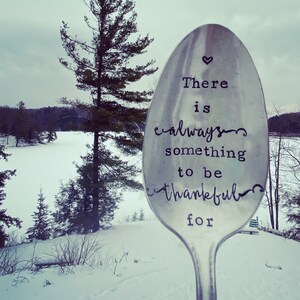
[261, 189]
[154, 191]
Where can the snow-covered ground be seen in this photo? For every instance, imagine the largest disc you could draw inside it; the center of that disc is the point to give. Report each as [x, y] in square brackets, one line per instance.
[156, 265]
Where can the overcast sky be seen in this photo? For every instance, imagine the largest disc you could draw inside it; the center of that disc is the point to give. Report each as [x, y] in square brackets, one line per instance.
[30, 43]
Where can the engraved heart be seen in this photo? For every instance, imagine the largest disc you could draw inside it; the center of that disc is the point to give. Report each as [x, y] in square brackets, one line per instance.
[207, 60]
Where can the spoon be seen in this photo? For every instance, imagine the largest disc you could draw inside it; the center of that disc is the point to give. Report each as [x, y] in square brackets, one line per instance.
[205, 152]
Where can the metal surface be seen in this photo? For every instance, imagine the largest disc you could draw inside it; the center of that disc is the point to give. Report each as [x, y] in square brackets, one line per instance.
[205, 153]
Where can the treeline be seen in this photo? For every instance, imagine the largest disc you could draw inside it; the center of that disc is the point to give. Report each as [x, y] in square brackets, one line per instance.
[39, 125]
[285, 124]
[31, 126]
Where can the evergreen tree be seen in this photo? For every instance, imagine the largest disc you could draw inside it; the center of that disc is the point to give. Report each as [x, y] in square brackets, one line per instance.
[105, 71]
[66, 201]
[74, 203]
[25, 128]
[134, 216]
[41, 229]
[7, 116]
[34, 133]
[20, 127]
[51, 124]
[142, 215]
[5, 220]
[293, 215]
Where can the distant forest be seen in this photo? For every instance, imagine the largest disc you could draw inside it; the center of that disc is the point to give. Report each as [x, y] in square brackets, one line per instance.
[40, 125]
[285, 124]
[31, 126]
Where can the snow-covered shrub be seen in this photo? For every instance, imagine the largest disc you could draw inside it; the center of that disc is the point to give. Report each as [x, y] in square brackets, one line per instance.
[13, 239]
[292, 233]
[9, 261]
[75, 251]
[136, 216]
[117, 262]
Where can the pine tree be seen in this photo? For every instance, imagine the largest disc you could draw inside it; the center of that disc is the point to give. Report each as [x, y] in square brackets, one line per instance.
[41, 229]
[293, 215]
[105, 71]
[20, 127]
[65, 202]
[142, 215]
[134, 216]
[25, 128]
[74, 202]
[51, 125]
[5, 220]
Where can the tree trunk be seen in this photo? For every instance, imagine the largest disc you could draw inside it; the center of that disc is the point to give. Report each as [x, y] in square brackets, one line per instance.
[277, 169]
[96, 161]
[270, 199]
[95, 189]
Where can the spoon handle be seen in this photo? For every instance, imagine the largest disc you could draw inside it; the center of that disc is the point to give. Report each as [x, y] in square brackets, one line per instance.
[204, 264]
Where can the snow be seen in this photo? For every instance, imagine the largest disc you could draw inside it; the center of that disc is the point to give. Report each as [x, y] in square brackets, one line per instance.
[158, 266]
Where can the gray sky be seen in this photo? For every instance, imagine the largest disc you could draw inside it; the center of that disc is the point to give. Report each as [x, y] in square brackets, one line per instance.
[30, 43]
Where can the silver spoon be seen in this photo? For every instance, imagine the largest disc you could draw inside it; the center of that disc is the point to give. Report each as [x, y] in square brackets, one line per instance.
[205, 153]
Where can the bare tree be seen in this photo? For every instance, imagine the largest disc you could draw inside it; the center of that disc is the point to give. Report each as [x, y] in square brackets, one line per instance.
[292, 195]
[274, 184]
[273, 192]
[284, 163]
